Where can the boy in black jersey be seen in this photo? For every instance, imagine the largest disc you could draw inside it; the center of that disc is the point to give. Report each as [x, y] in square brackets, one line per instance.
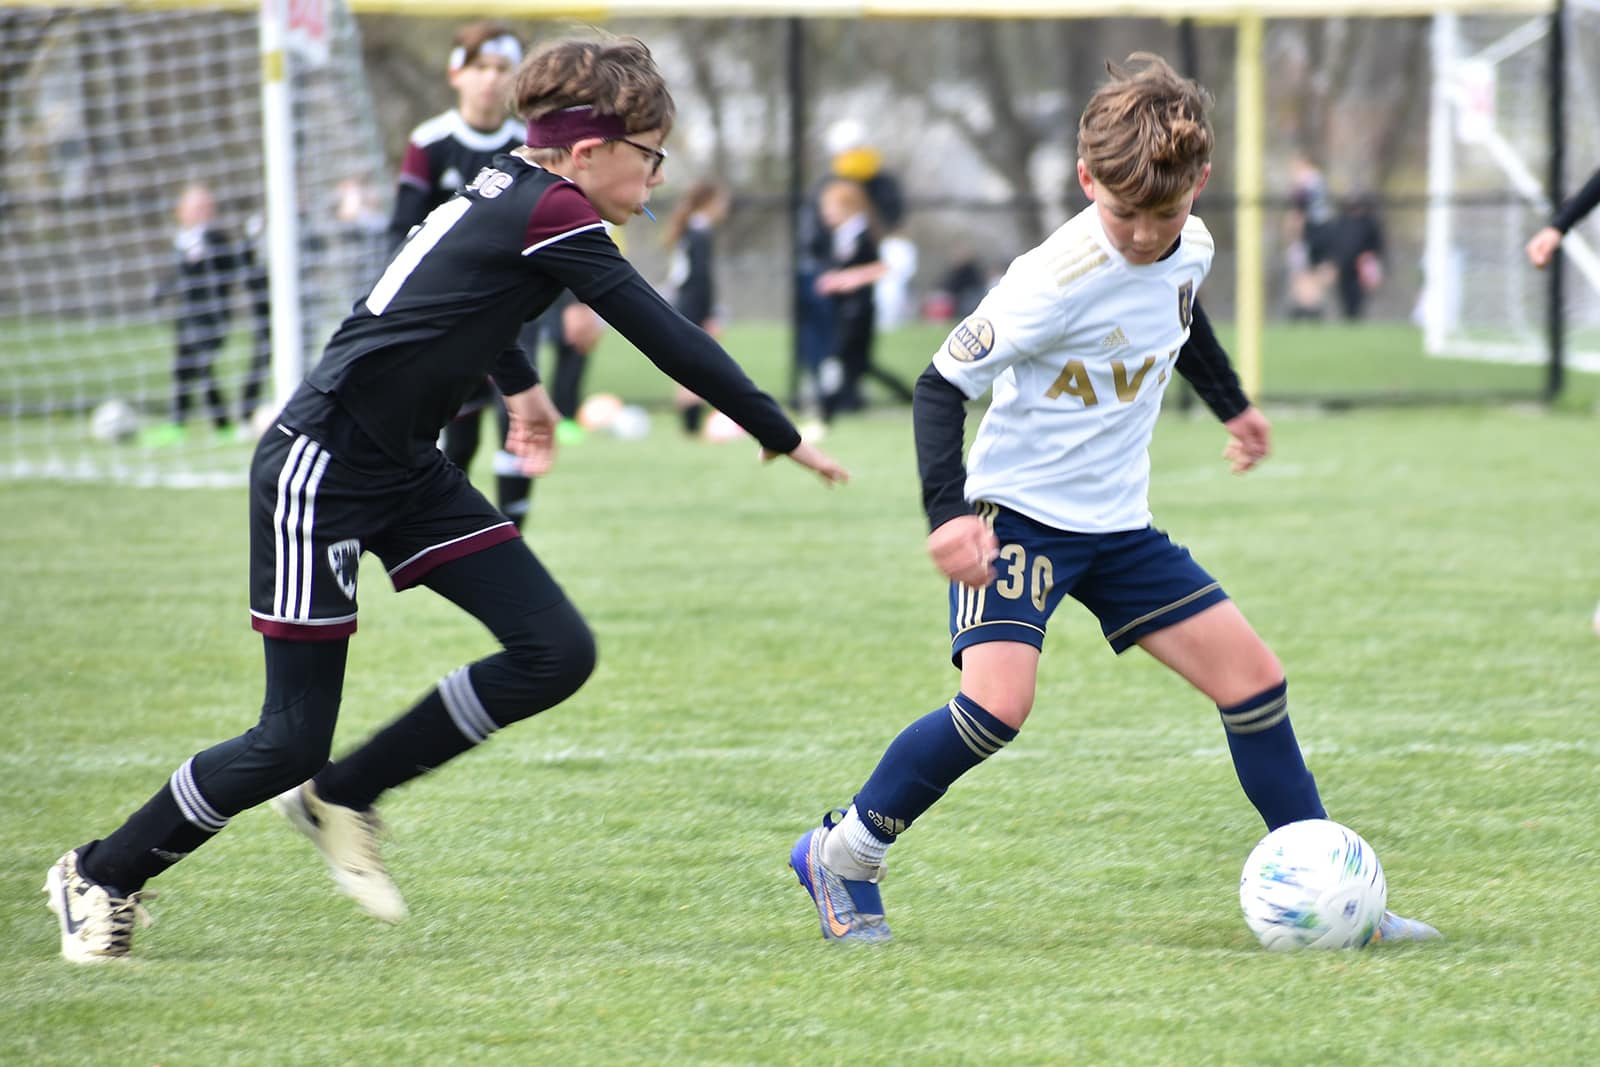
[351, 466]
[1542, 245]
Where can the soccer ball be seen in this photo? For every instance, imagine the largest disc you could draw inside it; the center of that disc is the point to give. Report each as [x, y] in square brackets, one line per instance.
[113, 421]
[1313, 884]
[599, 411]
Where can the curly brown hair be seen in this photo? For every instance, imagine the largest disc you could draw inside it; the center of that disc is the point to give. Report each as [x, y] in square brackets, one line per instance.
[615, 76]
[1145, 135]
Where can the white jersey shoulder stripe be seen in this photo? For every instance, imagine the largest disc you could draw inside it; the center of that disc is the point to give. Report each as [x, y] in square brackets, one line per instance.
[1073, 251]
[531, 249]
[1195, 232]
[451, 124]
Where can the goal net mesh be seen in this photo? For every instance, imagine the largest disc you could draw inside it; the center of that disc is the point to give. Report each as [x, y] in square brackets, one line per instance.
[1490, 304]
[108, 116]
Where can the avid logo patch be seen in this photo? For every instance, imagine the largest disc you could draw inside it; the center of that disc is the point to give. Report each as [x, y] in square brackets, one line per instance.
[971, 341]
[892, 827]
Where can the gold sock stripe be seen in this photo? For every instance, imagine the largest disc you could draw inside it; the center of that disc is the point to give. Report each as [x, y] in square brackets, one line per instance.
[1147, 616]
[982, 742]
[1255, 720]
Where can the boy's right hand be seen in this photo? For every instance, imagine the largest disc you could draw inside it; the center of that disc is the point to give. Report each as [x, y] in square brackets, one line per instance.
[810, 456]
[964, 550]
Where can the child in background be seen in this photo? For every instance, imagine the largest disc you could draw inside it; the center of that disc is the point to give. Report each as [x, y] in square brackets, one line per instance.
[208, 263]
[691, 280]
[849, 281]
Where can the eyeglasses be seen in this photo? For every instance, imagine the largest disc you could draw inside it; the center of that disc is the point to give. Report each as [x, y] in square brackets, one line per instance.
[657, 156]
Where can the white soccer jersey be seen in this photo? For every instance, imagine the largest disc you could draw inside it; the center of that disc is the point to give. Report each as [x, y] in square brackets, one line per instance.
[1078, 345]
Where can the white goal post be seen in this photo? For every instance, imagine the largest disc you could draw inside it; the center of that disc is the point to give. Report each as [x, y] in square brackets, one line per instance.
[109, 115]
[1488, 147]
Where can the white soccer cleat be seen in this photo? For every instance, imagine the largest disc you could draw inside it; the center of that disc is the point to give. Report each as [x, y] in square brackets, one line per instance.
[95, 926]
[348, 840]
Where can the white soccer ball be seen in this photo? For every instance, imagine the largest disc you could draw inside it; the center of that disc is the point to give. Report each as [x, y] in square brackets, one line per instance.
[598, 411]
[1313, 884]
[113, 421]
[631, 423]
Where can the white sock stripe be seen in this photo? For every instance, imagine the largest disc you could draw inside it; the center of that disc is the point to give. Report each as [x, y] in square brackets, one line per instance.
[280, 544]
[1255, 720]
[967, 722]
[308, 523]
[465, 709]
[195, 808]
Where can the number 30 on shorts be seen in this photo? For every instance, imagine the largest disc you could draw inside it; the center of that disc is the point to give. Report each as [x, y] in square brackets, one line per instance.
[1018, 576]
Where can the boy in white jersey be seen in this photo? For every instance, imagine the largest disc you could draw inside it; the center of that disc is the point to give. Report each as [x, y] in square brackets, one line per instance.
[1077, 343]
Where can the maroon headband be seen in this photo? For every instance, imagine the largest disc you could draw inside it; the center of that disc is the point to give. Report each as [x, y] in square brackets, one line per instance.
[564, 128]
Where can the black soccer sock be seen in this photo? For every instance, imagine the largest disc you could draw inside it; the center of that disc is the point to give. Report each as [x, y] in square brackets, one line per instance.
[414, 744]
[154, 838]
[693, 417]
[548, 653]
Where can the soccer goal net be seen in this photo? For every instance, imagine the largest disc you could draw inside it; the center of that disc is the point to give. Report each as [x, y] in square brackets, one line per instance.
[1488, 186]
[134, 302]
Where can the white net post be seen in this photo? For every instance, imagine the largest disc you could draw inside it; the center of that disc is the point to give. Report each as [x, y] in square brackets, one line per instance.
[107, 115]
[1488, 143]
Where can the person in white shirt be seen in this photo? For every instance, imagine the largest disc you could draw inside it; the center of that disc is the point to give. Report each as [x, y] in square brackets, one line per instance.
[1077, 342]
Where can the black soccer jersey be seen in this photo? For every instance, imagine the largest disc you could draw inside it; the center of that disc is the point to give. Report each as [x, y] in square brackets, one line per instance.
[447, 311]
[442, 155]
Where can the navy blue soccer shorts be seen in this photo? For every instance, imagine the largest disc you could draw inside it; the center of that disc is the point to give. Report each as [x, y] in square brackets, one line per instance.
[311, 517]
[1134, 581]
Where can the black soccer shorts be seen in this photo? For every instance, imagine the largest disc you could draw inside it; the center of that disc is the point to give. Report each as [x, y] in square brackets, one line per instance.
[312, 516]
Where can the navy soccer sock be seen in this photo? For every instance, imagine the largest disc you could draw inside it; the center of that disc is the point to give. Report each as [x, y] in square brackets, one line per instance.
[1267, 758]
[923, 761]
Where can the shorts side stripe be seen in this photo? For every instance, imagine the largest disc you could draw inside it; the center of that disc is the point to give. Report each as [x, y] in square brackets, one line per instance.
[280, 546]
[1180, 602]
[307, 531]
[288, 604]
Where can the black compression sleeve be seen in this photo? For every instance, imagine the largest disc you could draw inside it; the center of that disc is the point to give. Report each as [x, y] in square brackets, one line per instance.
[938, 420]
[1204, 364]
[689, 356]
[1581, 203]
[410, 208]
[513, 371]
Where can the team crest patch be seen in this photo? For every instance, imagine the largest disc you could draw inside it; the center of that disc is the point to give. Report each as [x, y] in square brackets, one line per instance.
[971, 341]
[344, 559]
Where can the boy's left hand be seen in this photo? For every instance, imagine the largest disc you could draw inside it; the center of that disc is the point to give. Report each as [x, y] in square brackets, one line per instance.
[1249, 439]
[532, 434]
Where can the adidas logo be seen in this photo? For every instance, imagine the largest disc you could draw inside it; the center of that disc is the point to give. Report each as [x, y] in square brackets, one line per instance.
[1115, 339]
[893, 827]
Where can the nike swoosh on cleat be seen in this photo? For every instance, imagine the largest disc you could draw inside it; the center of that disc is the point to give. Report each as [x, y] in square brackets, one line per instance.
[839, 929]
[73, 926]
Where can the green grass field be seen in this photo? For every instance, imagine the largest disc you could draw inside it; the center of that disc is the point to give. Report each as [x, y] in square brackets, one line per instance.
[606, 884]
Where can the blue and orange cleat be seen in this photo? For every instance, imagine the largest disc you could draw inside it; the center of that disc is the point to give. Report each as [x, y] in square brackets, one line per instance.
[1394, 927]
[850, 909]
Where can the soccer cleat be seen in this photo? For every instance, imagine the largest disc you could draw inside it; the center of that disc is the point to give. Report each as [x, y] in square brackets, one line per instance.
[348, 840]
[850, 909]
[1394, 927]
[95, 926]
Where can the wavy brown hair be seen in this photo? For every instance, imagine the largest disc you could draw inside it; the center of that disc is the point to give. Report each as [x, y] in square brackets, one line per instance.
[615, 76]
[1145, 135]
